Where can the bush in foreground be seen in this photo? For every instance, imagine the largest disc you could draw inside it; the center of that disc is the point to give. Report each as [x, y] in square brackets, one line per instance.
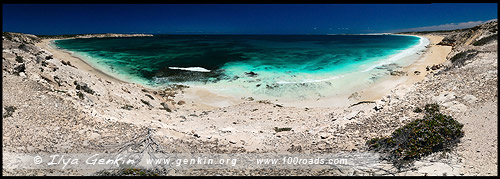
[419, 138]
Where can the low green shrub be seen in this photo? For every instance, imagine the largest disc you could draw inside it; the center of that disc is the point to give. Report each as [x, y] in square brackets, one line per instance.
[431, 108]
[419, 138]
[417, 110]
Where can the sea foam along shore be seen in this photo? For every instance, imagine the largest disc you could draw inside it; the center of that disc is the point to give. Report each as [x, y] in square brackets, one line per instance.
[404, 54]
[415, 72]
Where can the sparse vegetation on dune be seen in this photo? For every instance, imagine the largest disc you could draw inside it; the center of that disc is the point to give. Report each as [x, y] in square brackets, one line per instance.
[460, 58]
[485, 40]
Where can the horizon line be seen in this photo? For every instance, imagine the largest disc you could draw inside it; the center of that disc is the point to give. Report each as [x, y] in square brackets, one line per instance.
[383, 33]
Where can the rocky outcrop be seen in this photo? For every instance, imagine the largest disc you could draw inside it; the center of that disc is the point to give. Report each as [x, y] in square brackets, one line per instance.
[20, 38]
[462, 40]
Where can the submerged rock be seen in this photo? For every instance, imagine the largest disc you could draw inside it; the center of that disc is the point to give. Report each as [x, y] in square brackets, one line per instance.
[251, 74]
[272, 86]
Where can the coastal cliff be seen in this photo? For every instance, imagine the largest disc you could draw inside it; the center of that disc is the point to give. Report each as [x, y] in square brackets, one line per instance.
[52, 104]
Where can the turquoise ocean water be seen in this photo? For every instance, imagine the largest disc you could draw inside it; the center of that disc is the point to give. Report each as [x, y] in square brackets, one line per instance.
[292, 66]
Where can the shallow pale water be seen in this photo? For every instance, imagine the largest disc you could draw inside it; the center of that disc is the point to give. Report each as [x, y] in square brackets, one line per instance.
[278, 66]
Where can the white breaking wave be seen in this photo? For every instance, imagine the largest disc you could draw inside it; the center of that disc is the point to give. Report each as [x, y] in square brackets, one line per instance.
[197, 69]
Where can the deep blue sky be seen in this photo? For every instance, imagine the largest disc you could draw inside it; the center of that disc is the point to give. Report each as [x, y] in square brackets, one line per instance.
[240, 18]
